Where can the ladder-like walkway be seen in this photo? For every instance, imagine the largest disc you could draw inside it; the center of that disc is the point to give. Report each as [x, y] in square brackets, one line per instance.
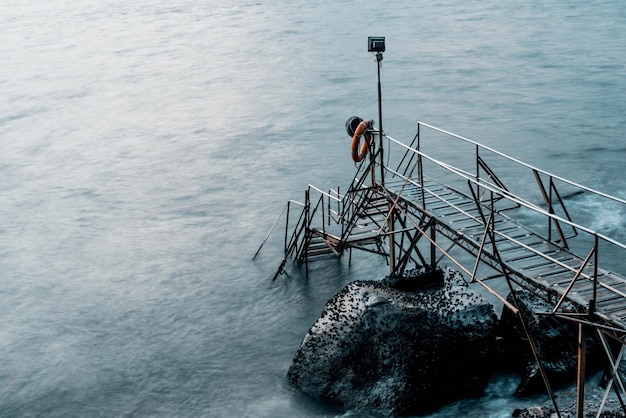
[449, 203]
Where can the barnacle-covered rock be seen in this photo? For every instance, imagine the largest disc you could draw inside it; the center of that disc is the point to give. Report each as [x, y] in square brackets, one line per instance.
[398, 347]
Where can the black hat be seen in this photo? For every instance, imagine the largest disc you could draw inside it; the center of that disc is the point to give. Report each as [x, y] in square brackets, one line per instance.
[352, 124]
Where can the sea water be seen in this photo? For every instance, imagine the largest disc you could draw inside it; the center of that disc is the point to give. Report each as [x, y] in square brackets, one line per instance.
[147, 147]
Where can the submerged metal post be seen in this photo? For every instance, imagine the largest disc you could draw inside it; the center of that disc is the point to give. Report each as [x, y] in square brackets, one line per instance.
[307, 209]
[580, 380]
[595, 275]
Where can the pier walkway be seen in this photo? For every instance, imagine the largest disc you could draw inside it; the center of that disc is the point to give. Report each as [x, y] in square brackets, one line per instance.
[443, 199]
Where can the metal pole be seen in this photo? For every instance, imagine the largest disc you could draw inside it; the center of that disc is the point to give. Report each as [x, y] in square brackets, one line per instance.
[305, 243]
[595, 275]
[379, 58]
[287, 225]
[271, 230]
[477, 166]
[392, 240]
[433, 248]
[391, 220]
[580, 381]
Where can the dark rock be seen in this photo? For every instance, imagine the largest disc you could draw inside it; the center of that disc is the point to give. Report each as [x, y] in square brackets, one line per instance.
[534, 412]
[556, 343]
[391, 348]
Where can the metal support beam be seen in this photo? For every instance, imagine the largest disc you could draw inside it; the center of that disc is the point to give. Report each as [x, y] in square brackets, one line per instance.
[580, 380]
[433, 246]
[614, 364]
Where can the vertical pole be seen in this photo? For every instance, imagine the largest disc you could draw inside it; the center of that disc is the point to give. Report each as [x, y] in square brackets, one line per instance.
[391, 220]
[477, 167]
[433, 248]
[339, 200]
[580, 381]
[379, 58]
[329, 215]
[287, 225]
[392, 240]
[550, 194]
[595, 274]
[323, 214]
[420, 166]
[418, 137]
[305, 241]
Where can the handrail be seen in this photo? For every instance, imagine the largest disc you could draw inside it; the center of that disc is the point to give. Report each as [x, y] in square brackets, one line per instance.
[322, 192]
[507, 194]
[292, 244]
[584, 269]
[515, 160]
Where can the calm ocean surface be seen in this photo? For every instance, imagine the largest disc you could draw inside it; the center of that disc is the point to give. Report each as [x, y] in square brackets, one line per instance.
[147, 147]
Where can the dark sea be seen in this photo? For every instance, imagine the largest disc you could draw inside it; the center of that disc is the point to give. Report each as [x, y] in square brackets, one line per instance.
[148, 146]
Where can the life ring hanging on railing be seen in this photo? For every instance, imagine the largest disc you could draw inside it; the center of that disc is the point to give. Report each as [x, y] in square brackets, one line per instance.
[356, 138]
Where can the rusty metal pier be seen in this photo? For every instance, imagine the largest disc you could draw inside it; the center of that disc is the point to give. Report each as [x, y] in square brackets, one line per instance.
[443, 200]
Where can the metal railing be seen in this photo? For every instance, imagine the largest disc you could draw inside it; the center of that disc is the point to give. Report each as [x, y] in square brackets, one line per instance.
[586, 243]
[323, 209]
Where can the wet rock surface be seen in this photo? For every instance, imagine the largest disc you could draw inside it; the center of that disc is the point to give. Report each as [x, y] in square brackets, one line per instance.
[410, 346]
[398, 348]
[566, 400]
[556, 342]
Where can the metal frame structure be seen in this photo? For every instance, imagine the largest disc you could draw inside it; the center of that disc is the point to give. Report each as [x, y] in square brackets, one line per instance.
[427, 209]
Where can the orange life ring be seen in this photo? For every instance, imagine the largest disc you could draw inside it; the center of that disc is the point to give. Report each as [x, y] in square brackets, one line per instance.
[356, 138]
